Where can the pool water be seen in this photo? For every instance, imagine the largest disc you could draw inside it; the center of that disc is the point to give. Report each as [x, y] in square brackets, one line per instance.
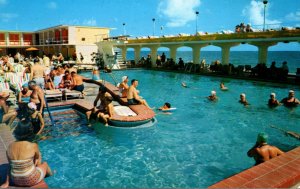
[197, 145]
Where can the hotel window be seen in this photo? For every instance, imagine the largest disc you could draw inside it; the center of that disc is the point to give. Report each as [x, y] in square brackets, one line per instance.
[2, 39]
[14, 39]
[64, 33]
[27, 39]
[57, 37]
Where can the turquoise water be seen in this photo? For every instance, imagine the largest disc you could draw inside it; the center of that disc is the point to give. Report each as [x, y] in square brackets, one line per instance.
[197, 145]
[237, 57]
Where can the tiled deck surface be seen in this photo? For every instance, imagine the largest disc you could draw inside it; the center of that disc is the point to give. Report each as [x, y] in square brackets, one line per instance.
[279, 172]
[5, 139]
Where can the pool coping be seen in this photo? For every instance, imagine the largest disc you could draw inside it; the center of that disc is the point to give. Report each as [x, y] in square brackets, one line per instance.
[280, 172]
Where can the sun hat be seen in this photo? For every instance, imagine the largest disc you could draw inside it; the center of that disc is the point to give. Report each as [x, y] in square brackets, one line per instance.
[124, 78]
[262, 138]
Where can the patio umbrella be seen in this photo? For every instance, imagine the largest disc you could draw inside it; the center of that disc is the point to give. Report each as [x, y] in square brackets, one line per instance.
[32, 49]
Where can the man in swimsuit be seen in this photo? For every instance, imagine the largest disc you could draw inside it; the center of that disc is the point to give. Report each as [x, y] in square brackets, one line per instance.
[37, 96]
[77, 81]
[7, 114]
[261, 151]
[101, 96]
[38, 74]
[290, 101]
[132, 95]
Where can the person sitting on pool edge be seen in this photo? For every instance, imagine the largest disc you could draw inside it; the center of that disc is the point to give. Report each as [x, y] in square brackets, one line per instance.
[261, 151]
[100, 96]
[243, 99]
[166, 106]
[26, 168]
[108, 110]
[133, 97]
[7, 114]
[291, 100]
[273, 102]
[222, 87]
[123, 87]
[213, 96]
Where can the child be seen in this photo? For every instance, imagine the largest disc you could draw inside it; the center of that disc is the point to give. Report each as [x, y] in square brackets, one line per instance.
[166, 106]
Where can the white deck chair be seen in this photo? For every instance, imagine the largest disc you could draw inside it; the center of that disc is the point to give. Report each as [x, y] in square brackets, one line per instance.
[53, 94]
[73, 93]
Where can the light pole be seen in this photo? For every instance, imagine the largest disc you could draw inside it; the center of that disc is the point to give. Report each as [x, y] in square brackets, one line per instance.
[197, 13]
[161, 30]
[265, 5]
[153, 20]
[124, 30]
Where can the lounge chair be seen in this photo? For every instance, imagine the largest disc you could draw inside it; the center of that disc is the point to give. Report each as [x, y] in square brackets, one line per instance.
[72, 93]
[54, 94]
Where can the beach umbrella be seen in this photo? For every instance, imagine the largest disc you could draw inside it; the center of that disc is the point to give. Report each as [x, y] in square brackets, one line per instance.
[32, 49]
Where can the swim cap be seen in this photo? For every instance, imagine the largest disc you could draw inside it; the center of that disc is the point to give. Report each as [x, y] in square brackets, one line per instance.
[213, 92]
[262, 137]
[273, 94]
[291, 91]
[124, 78]
[243, 94]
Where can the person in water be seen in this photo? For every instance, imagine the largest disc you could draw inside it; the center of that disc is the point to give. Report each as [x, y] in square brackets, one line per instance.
[243, 99]
[166, 106]
[222, 87]
[133, 97]
[183, 84]
[291, 100]
[123, 87]
[213, 96]
[26, 168]
[273, 102]
[262, 151]
[95, 74]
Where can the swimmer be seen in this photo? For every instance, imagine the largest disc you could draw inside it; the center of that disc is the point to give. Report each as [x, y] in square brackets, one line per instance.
[213, 96]
[183, 84]
[243, 100]
[291, 100]
[166, 106]
[262, 151]
[222, 86]
[273, 102]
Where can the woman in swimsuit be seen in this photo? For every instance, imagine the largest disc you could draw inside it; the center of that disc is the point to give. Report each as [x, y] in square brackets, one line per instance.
[290, 101]
[26, 168]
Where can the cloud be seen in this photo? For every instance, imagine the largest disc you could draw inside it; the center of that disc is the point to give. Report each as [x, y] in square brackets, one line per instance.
[178, 12]
[255, 13]
[90, 22]
[2, 2]
[52, 5]
[293, 16]
[6, 17]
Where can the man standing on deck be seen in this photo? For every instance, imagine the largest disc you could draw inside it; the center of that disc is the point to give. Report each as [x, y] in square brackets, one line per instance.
[77, 81]
[261, 151]
[37, 96]
[38, 73]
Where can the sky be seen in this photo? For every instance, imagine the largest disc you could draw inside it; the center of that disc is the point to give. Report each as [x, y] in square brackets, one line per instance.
[171, 16]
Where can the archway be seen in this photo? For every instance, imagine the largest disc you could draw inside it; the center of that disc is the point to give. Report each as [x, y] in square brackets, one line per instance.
[184, 52]
[130, 54]
[211, 53]
[289, 52]
[244, 54]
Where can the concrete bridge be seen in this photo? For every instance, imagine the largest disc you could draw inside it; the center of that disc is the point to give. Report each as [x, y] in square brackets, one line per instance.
[262, 40]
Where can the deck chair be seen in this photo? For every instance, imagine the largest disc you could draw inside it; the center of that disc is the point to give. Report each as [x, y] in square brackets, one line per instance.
[72, 93]
[53, 94]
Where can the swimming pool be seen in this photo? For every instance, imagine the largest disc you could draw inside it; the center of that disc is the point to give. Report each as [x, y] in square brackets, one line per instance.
[197, 145]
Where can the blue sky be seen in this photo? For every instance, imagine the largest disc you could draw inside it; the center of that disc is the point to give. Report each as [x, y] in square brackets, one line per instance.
[174, 16]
